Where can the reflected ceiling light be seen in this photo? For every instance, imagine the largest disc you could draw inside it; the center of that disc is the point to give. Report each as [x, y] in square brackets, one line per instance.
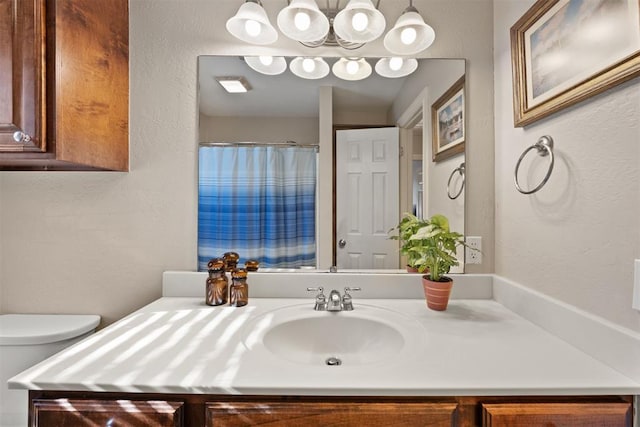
[396, 67]
[410, 35]
[359, 22]
[351, 69]
[303, 21]
[251, 24]
[309, 68]
[233, 84]
[270, 65]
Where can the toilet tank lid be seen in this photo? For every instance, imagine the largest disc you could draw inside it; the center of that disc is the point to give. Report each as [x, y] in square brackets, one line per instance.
[30, 329]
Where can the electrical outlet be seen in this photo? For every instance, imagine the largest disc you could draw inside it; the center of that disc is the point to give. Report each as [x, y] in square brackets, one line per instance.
[472, 256]
[636, 286]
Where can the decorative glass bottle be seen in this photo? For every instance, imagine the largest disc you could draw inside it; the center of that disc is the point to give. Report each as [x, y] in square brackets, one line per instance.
[251, 265]
[239, 290]
[231, 260]
[217, 283]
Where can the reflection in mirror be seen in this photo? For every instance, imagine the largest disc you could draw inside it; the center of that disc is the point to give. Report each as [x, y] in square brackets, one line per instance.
[374, 122]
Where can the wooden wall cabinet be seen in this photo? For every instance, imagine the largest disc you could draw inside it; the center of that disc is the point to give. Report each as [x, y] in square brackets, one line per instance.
[64, 85]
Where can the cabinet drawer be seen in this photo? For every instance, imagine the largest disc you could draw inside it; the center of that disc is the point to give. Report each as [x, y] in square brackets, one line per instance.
[281, 414]
[129, 413]
[556, 414]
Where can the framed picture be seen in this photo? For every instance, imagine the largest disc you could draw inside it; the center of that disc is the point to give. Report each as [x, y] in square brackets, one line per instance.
[448, 122]
[565, 51]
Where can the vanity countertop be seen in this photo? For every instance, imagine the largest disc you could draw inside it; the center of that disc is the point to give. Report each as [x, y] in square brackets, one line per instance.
[180, 345]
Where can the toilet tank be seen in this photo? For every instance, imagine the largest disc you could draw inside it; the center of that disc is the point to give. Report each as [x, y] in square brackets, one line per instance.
[27, 339]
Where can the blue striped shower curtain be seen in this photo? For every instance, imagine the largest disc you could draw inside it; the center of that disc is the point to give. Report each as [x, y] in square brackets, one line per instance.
[258, 201]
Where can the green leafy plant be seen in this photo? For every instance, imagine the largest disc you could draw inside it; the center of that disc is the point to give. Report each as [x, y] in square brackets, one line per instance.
[429, 244]
[407, 228]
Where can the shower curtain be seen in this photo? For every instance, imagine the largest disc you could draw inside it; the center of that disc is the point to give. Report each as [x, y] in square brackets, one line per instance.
[258, 201]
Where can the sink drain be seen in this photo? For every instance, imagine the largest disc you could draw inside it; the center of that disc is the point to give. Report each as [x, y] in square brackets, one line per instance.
[333, 361]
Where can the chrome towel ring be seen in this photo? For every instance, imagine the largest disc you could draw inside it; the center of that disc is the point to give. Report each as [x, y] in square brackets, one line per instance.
[460, 170]
[544, 147]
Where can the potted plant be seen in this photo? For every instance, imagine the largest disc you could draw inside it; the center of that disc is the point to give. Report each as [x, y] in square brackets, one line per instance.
[438, 246]
[407, 228]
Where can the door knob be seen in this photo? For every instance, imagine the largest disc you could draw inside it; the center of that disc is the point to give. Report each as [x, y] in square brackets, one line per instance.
[342, 243]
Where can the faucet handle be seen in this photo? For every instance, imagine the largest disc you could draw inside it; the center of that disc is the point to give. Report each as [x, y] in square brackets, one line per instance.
[347, 301]
[321, 299]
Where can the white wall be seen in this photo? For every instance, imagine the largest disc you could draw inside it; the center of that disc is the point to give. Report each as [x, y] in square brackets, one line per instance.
[303, 130]
[575, 239]
[98, 242]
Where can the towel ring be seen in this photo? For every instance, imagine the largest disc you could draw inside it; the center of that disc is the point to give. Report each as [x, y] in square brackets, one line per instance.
[460, 170]
[544, 147]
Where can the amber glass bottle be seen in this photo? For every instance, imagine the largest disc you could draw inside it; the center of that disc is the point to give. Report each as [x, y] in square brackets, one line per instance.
[239, 291]
[231, 261]
[251, 265]
[217, 283]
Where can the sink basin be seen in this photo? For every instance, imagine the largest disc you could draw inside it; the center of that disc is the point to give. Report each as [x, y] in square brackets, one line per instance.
[367, 335]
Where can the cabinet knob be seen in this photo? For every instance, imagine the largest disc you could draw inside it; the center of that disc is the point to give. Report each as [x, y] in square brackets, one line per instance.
[20, 136]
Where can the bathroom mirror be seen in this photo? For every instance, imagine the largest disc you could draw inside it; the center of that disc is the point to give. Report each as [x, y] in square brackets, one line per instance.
[286, 108]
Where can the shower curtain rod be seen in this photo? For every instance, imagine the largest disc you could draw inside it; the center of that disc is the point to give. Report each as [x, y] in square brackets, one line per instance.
[256, 144]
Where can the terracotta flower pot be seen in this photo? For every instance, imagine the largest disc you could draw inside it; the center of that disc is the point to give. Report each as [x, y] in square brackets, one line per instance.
[411, 269]
[437, 293]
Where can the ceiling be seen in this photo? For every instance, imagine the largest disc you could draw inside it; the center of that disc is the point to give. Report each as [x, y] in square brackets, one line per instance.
[286, 94]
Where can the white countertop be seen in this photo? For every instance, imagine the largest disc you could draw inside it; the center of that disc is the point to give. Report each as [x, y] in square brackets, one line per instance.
[180, 345]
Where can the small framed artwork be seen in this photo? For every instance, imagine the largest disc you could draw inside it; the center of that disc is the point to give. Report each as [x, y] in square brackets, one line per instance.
[448, 123]
[565, 51]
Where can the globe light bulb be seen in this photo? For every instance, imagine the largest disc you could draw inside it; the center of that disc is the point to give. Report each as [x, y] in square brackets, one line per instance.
[408, 35]
[308, 65]
[360, 21]
[395, 63]
[266, 60]
[302, 21]
[352, 67]
[252, 27]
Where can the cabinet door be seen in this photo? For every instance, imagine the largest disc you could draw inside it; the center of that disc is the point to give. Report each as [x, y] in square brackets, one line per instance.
[22, 89]
[556, 414]
[112, 413]
[282, 414]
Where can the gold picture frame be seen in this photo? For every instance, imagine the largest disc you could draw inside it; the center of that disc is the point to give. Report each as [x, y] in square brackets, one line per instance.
[448, 117]
[562, 53]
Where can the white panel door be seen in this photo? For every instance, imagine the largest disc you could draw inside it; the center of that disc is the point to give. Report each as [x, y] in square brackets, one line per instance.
[367, 198]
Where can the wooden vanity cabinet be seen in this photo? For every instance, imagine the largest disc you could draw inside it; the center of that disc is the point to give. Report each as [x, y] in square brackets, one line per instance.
[330, 413]
[99, 412]
[69, 408]
[556, 414]
[64, 85]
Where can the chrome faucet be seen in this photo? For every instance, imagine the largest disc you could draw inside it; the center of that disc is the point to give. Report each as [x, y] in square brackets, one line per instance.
[335, 302]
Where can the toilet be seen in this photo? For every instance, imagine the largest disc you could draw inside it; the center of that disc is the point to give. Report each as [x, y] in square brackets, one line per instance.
[27, 339]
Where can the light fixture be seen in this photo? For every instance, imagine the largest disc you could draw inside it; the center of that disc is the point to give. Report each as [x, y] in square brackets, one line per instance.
[270, 65]
[309, 68]
[351, 68]
[359, 22]
[234, 84]
[410, 35]
[303, 21]
[251, 24]
[396, 67]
